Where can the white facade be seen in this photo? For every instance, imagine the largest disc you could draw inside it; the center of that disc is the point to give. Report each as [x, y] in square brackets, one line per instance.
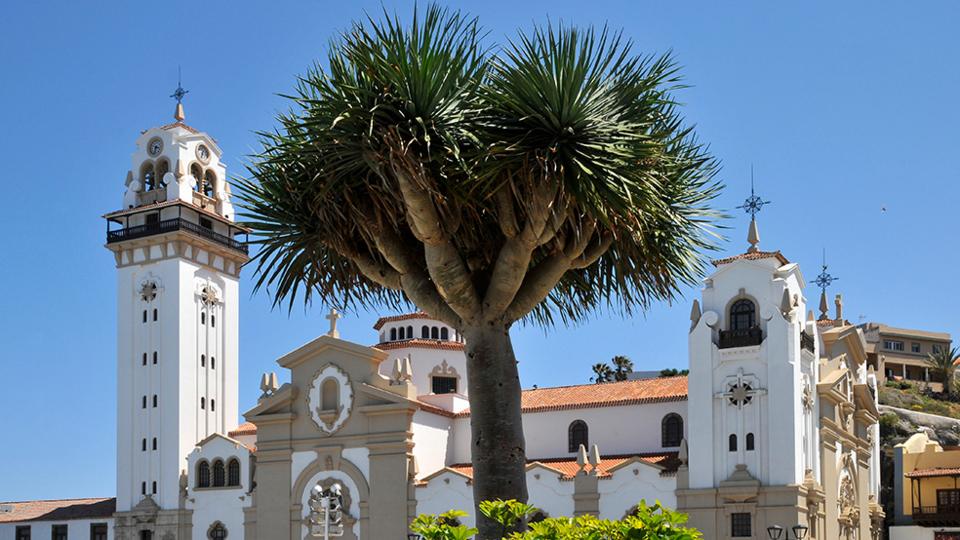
[76, 528]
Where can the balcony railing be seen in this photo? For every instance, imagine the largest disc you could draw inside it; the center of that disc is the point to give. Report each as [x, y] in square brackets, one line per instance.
[933, 516]
[740, 338]
[806, 341]
[170, 225]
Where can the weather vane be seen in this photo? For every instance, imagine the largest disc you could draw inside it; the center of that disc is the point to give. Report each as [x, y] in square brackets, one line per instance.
[824, 279]
[179, 92]
[753, 203]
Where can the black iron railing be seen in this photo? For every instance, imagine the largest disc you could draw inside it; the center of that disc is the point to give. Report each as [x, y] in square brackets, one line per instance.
[740, 338]
[942, 515]
[806, 341]
[170, 225]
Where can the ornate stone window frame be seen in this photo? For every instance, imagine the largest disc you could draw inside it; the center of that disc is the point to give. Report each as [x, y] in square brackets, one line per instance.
[329, 422]
[445, 370]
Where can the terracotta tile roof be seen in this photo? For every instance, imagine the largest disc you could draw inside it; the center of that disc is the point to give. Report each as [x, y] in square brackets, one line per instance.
[567, 466]
[934, 472]
[394, 318]
[610, 394]
[245, 428]
[420, 343]
[57, 510]
[756, 255]
[179, 124]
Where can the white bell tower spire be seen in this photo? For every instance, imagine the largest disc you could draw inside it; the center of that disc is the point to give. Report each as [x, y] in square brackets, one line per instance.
[178, 255]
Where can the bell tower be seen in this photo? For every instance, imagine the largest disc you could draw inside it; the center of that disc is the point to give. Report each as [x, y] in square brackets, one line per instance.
[178, 256]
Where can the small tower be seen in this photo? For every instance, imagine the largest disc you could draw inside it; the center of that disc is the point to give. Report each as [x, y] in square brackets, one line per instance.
[752, 355]
[178, 262]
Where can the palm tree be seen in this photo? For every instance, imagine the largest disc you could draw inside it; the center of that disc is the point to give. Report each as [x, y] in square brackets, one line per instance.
[601, 373]
[537, 183]
[943, 363]
[622, 366]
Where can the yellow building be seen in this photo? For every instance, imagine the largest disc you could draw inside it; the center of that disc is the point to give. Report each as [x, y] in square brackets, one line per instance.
[926, 490]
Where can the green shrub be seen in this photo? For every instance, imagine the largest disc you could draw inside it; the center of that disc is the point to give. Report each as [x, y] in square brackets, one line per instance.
[644, 523]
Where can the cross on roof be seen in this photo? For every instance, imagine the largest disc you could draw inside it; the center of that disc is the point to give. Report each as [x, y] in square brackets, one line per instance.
[179, 92]
[824, 279]
[333, 316]
[753, 204]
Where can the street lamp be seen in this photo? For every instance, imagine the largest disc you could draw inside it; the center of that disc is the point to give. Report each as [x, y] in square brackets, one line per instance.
[776, 531]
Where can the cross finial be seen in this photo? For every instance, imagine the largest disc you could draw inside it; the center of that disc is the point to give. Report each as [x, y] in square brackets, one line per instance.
[333, 316]
[178, 95]
[752, 205]
[824, 280]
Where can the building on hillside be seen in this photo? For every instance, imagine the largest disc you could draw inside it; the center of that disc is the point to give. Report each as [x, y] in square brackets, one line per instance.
[899, 354]
[926, 490]
[775, 425]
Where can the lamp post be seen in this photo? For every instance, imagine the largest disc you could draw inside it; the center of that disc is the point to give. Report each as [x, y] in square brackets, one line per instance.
[776, 531]
[326, 513]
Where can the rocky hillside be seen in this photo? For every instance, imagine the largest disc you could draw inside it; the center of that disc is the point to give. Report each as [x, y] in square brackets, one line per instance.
[906, 410]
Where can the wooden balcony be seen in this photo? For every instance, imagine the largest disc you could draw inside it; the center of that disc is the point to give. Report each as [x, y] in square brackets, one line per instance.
[937, 516]
[740, 338]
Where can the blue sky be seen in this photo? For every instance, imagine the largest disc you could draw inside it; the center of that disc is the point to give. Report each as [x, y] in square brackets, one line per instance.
[842, 108]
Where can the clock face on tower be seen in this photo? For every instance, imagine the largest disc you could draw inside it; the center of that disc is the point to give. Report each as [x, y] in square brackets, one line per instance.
[203, 153]
[155, 146]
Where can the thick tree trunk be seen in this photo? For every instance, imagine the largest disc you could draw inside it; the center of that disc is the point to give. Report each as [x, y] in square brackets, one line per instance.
[498, 448]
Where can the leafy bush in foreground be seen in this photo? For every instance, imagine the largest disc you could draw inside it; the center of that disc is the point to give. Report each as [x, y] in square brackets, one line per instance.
[645, 523]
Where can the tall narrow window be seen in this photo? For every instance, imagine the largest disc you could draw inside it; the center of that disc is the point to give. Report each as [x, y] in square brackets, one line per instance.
[154, 357]
[444, 333]
[732, 442]
[143, 445]
[144, 402]
[749, 441]
[233, 472]
[154, 400]
[203, 317]
[409, 332]
[213, 405]
[203, 360]
[155, 314]
[213, 363]
[209, 180]
[197, 174]
[576, 435]
[213, 320]
[154, 443]
[330, 398]
[425, 332]
[742, 315]
[144, 315]
[98, 531]
[153, 487]
[144, 358]
[143, 488]
[671, 430]
[203, 474]
[393, 334]
[434, 333]
[203, 403]
[219, 474]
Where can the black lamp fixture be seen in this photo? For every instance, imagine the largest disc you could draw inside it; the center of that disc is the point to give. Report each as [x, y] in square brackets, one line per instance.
[776, 531]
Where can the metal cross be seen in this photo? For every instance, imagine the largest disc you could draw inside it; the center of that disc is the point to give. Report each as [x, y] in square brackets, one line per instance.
[179, 92]
[824, 279]
[753, 203]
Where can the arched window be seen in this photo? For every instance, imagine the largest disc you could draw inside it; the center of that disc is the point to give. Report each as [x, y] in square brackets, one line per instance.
[154, 357]
[233, 472]
[425, 332]
[154, 400]
[163, 167]
[743, 315]
[143, 445]
[197, 174]
[217, 531]
[749, 441]
[434, 333]
[203, 317]
[209, 180]
[203, 360]
[213, 363]
[154, 314]
[213, 405]
[409, 332]
[153, 487]
[330, 394]
[154, 443]
[144, 405]
[577, 435]
[393, 334]
[144, 315]
[143, 488]
[144, 358]
[444, 333]
[213, 320]
[149, 176]
[203, 403]
[671, 430]
[732, 442]
[203, 474]
[219, 474]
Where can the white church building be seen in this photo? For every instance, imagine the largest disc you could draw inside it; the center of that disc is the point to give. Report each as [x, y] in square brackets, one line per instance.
[775, 425]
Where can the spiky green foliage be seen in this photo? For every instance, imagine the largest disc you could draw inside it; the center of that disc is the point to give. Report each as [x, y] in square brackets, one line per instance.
[601, 373]
[541, 182]
[943, 364]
